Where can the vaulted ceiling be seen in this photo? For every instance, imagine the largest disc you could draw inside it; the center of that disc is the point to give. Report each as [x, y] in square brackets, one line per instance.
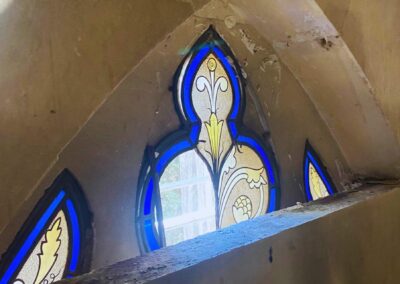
[61, 60]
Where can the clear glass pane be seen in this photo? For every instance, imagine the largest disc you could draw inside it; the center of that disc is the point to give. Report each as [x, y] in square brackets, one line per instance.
[187, 198]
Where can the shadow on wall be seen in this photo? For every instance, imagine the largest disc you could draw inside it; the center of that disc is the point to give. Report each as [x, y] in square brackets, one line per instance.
[107, 153]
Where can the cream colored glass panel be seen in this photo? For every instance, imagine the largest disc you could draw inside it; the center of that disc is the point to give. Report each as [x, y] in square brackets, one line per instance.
[48, 259]
[243, 190]
[317, 186]
[187, 198]
[212, 100]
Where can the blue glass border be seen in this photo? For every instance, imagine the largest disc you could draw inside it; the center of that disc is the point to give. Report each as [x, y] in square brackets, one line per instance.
[187, 83]
[32, 239]
[187, 138]
[64, 194]
[76, 238]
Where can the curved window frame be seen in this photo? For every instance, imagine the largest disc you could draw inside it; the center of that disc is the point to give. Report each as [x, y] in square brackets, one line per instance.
[149, 228]
[311, 156]
[64, 194]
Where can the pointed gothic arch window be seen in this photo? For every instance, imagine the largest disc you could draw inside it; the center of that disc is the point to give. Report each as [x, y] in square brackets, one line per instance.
[317, 182]
[213, 172]
[55, 240]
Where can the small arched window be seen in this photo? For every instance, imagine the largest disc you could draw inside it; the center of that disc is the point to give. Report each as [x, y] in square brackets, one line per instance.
[55, 240]
[317, 182]
[213, 172]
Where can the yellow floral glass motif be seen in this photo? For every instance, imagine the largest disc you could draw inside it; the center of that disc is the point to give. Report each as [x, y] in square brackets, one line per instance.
[212, 99]
[243, 179]
[246, 181]
[49, 247]
[214, 128]
[243, 187]
[47, 261]
[242, 209]
[317, 186]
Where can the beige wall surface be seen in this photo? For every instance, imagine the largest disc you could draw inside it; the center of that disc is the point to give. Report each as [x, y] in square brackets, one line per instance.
[58, 61]
[371, 30]
[317, 55]
[106, 155]
[63, 62]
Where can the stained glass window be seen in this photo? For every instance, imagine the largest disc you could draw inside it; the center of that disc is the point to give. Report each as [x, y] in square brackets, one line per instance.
[50, 244]
[213, 172]
[317, 182]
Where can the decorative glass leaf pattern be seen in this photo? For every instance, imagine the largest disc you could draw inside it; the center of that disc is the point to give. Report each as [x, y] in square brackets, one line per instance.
[49, 246]
[242, 209]
[317, 186]
[317, 182]
[243, 176]
[47, 261]
[212, 101]
[239, 176]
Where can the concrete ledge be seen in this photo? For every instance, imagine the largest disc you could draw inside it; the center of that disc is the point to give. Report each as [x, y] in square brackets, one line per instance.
[350, 238]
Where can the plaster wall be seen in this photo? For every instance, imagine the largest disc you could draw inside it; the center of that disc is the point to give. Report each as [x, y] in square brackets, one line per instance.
[370, 29]
[309, 44]
[106, 154]
[58, 61]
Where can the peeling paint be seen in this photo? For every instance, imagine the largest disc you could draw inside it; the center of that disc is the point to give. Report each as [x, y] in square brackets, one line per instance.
[249, 43]
[325, 43]
[230, 22]
[273, 62]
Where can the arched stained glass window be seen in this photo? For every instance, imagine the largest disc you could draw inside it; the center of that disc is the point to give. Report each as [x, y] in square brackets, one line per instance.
[213, 172]
[317, 182]
[54, 242]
